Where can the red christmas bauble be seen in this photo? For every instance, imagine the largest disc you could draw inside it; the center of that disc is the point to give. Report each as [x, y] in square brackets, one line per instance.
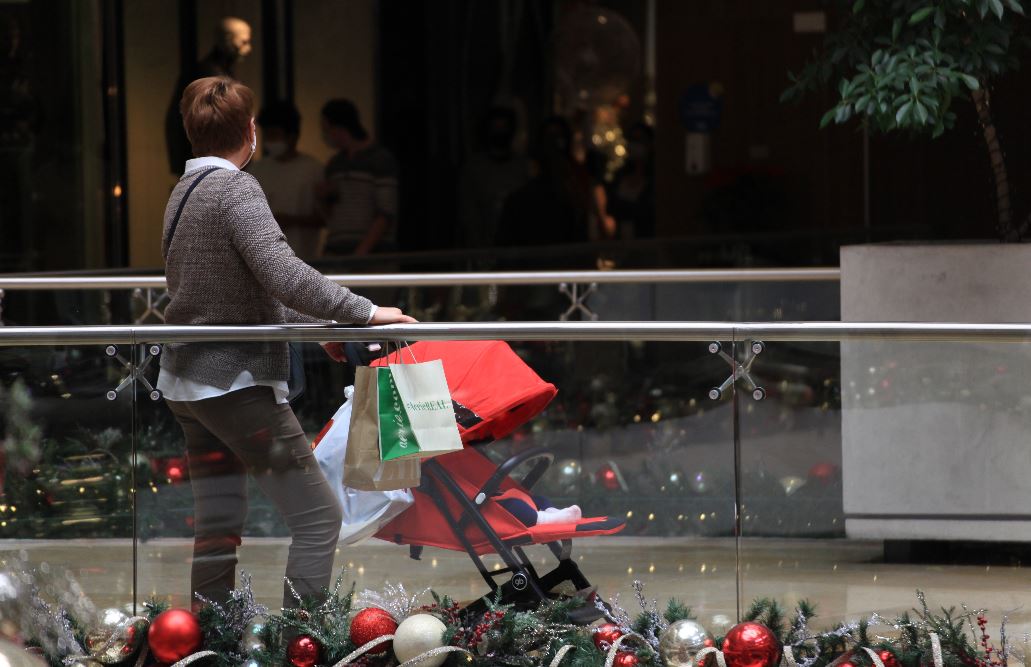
[888, 658]
[751, 645]
[824, 473]
[371, 623]
[608, 478]
[173, 635]
[625, 660]
[606, 635]
[303, 651]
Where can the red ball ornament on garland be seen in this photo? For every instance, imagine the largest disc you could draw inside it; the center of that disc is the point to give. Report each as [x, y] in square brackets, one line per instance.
[625, 660]
[372, 623]
[174, 635]
[751, 645]
[888, 658]
[606, 635]
[303, 651]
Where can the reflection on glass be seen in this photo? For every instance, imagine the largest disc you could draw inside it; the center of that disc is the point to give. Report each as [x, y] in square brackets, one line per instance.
[633, 437]
[67, 466]
[860, 485]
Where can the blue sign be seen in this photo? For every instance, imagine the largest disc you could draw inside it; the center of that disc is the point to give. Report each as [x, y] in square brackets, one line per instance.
[701, 106]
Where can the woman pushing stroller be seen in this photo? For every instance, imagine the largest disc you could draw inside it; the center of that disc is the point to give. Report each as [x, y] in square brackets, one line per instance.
[227, 263]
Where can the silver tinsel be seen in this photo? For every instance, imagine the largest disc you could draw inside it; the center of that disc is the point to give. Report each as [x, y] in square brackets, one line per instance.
[240, 609]
[658, 621]
[620, 617]
[24, 595]
[333, 595]
[394, 600]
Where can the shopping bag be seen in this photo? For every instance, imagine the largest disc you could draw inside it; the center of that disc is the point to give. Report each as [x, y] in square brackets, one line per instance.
[365, 512]
[417, 418]
[363, 468]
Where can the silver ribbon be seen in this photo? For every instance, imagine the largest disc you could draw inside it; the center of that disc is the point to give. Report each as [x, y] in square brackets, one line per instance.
[610, 658]
[433, 653]
[873, 656]
[143, 655]
[181, 663]
[193, 658]
[789, 657]
[720, 659]
[936, 650]
[363, 649]
[557, 660]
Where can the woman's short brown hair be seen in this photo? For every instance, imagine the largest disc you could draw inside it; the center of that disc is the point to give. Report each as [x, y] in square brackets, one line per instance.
[216, 113]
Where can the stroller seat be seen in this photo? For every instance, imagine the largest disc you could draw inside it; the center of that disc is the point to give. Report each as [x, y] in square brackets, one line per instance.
[467, 481]
[456, 507]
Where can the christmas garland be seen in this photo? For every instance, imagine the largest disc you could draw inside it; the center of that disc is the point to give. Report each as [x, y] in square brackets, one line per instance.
[49, 616]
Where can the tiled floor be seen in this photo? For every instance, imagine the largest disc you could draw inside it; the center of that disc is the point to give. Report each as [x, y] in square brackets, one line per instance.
[846, 579]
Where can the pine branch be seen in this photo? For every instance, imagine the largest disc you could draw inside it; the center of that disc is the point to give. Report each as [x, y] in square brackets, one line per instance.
[677, 611]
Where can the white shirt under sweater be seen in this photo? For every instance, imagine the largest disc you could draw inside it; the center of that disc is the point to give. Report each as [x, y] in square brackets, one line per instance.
[175, 388]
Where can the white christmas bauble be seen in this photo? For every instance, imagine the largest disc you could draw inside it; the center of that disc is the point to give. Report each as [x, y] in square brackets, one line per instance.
[416, 635]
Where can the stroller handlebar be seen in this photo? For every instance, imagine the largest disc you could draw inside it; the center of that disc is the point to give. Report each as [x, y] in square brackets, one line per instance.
[544, 459]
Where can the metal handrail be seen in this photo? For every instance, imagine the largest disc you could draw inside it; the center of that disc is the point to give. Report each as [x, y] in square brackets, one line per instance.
[526, 331]
[827, 274]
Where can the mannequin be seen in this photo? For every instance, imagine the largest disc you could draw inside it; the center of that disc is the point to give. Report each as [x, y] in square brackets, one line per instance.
[232, 44]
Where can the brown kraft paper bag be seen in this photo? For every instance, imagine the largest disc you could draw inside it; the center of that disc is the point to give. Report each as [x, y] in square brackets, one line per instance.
[363, 468]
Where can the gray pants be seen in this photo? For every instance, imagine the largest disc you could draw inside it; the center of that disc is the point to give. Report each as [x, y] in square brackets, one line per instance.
[246, 432]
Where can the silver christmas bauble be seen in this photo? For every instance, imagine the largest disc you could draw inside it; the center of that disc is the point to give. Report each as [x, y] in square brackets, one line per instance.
[251, 640]
[116, 638]
[681, 641]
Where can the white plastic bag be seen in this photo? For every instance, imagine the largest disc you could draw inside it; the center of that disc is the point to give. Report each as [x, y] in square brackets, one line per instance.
[365, 512]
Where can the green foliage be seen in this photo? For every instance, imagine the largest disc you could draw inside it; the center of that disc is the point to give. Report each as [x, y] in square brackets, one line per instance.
[153, 607]
[900, 64]
[22, 437]
[770, 613]
[676, 610]
[324, 617]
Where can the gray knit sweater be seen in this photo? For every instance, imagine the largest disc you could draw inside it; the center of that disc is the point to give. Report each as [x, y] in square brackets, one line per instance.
[229, 264]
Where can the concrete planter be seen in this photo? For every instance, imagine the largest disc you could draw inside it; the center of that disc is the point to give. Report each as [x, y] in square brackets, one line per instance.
[936, 437]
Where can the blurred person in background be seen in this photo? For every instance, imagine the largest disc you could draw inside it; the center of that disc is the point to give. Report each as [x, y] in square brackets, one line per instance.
[360, 192]
[632, 191]
[289, 178]
[489, 177]
[554, 206]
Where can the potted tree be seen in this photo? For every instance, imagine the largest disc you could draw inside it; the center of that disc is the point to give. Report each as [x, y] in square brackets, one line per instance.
[933, 435]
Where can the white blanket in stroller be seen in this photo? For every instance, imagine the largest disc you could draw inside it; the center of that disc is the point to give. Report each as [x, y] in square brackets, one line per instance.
[365, 512]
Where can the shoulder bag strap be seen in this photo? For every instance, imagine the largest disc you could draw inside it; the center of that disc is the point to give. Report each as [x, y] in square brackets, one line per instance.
[182, 203]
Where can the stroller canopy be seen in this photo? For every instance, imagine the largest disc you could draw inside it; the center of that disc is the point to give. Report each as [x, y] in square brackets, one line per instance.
[493, 390]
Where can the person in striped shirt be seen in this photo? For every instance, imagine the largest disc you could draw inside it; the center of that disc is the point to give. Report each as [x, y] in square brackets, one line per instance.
[360, 194]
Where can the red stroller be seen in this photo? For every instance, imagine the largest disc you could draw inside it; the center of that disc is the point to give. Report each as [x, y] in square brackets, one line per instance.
[456, 506]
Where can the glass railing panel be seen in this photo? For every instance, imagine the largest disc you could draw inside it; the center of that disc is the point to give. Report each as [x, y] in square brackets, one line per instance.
[67, 466]
[904, 475]
[632, 434]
